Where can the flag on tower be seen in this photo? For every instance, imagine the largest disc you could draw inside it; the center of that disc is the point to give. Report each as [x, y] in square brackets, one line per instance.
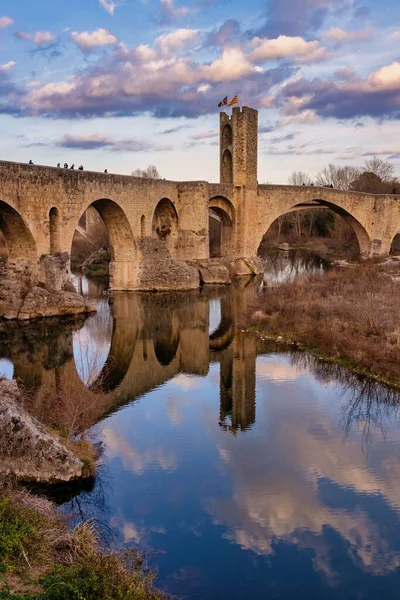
[235, 100]
[223, 102]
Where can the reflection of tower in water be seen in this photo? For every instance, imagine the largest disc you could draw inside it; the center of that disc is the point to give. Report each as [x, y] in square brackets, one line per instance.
[238, 384]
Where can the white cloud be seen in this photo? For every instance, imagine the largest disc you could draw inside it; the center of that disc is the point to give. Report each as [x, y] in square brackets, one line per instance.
[203, 135]
[267, 101]
[43, 37]
[5, 22]
[7, 66]
[285, 47]
[340, 35]
[231, 65]
[172, 13]
[306, 116]
[386, 78]
[175, 40]
[88, 40]
[109, 5]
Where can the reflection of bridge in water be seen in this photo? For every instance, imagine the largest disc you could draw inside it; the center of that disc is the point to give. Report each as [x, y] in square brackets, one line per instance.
[154, 338]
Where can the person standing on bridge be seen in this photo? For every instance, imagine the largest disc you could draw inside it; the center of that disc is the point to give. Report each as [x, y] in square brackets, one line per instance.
[30, 162]
[58, 165]
[65, 165]
[80, 168]
[72, 166]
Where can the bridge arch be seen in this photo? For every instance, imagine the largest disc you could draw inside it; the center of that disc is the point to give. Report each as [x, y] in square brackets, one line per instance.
[19, 239]
[221, 227]
[121, 241]
[165, 224]
[362, 236]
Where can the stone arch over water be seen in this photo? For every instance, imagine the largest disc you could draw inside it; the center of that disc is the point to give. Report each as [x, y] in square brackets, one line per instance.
[122, 243]
[18, 237]
[362, 236]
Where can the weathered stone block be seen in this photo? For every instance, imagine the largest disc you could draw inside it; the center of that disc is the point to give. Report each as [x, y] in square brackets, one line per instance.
[27, 451]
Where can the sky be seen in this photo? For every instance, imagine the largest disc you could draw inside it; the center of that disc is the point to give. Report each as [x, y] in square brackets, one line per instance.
[121, 84]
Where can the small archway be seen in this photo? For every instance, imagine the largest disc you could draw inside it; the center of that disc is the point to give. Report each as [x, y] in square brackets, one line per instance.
[227, 167]
[227, 136]
[221, 224]
[142, 226]
[54, 222]
[395, 245]
[165, 224]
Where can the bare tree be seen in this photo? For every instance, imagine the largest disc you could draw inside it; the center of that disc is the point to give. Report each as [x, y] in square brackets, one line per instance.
[381, 168]
[299, 178]
[150, 173]
[340, 177]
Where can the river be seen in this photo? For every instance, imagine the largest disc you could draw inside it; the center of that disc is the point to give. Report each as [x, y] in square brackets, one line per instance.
[243, 470]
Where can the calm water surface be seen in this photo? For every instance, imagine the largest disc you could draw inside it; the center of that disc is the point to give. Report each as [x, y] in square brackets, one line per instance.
[245, 471]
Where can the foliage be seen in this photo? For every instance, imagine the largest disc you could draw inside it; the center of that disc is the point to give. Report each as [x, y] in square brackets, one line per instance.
[351, 315]
[41, 560]
[151, 172]
[340, 177]
[18, 534]
[299, 178]
[375, 176]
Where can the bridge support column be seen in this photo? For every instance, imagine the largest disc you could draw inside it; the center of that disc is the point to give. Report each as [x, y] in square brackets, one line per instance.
[123, 275]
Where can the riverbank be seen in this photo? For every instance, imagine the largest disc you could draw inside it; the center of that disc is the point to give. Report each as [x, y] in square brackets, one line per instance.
[349, 316]
[41, 559]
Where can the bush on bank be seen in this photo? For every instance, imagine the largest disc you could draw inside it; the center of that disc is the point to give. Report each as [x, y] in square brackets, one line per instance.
[40, 559]
[348, 315]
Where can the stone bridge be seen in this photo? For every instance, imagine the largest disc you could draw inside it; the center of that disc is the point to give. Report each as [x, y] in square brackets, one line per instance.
[155, 225]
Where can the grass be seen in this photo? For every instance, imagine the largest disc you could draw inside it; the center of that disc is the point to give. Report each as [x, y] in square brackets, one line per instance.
[40, 559]
[349, 316]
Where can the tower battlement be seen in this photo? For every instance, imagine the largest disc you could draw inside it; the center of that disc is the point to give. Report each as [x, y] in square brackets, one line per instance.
[239, 147]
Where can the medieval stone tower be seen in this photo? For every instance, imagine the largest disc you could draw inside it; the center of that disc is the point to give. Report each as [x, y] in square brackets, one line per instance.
[239, 147]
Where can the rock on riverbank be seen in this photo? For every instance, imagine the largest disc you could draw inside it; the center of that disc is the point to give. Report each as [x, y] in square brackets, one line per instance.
[27, 450]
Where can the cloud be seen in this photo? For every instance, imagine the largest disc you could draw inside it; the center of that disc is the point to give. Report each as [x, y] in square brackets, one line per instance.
[169, 42]
[109, 5]
[205, 135]
[219, 36]
[5, 22]
[286, 17]
[285, 47]
[169, 13]
[89, 40]
[23, 35]
[378, 95]
[175, 129]
[7, 66]
[95, 141]
[43, 37]
[155, 80]
[341, 36]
